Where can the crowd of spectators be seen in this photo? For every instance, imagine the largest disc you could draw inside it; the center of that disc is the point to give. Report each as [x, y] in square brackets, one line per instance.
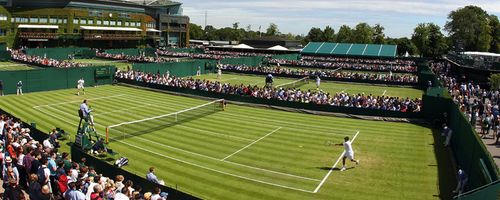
[19, 55]
[343, 99]
[138, 58]
[237, 54]
[479, 105]
[361, 60]
[345, 65]
[38, 169]
[192, 55]
[338, 74]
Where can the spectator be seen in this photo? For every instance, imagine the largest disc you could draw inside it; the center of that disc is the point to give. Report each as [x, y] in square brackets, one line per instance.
[35, 188]
[461, 181]
[151, 176]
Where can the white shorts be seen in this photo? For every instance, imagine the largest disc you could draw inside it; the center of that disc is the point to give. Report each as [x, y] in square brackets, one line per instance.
[80, 87]
[349, 155]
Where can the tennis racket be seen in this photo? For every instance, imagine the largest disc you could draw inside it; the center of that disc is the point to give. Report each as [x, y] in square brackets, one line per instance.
[329, 143]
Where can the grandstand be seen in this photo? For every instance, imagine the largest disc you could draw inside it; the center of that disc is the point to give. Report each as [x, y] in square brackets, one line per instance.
[350, 49]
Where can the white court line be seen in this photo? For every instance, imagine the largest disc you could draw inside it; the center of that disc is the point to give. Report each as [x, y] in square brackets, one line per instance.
[252, 143]
[384, 92]
[193, 153]
[218, 171]
[331, 169]
[67, 102]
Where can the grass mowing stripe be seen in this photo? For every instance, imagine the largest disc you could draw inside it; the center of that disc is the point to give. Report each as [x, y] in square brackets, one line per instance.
[277, 129]
[215, 170]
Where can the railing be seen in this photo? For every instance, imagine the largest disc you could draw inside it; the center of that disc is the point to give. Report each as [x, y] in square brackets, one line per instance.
[35, 35]
[175, 29]
[100, 36]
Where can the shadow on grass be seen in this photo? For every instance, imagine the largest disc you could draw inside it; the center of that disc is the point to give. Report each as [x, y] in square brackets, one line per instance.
[335, 168]
[446, 175]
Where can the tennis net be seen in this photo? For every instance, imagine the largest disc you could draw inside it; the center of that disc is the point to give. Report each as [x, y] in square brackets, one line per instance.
[295, 84]
[138, 127]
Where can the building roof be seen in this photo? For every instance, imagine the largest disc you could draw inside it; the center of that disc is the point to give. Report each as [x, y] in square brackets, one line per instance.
[474, 53]
[242, 46]
[154, 3]
[152, 30]
[278, 48]
[350, 49]
[38, 26]
[103, 28]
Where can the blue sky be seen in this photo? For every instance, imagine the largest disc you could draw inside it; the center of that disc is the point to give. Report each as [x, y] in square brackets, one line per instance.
[298, 16]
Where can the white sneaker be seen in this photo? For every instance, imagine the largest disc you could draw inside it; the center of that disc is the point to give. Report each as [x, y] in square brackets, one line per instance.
[343, 169]
[357, 162]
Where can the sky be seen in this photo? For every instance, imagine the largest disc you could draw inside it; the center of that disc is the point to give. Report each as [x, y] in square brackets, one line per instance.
[298, 16]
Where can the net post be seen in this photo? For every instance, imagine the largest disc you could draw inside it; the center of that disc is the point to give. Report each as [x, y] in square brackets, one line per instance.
[107, 134]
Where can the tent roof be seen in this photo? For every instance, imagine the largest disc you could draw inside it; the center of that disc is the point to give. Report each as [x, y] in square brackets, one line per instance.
[278, 48]
[242, 46]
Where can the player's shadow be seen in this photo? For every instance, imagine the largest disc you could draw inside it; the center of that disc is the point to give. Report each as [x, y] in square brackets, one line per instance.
[334, 169]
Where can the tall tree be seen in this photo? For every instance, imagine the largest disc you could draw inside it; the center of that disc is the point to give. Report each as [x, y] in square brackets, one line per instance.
[405, 45]
[469, 28]
[314, 35]
[236, 25]
[345, 34]
[328, 34]
[378, 34]
[363, 34]
[272, 30]
[196, 32]
[211, 33]
[429, 40]
[495, 34]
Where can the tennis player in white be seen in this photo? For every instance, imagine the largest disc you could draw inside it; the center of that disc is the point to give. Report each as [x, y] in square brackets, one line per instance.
[348, 153]
[80, 85]
[318, 81]
[219, 73]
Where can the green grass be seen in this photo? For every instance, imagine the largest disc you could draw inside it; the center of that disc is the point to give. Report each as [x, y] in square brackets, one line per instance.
[12, 66]
[398, 160]
[328, 86]
[122, 65]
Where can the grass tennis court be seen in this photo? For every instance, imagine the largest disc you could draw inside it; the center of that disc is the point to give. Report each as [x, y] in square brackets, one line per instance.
[122, 65]
[11, 66]
[332, 87]
[250, 153]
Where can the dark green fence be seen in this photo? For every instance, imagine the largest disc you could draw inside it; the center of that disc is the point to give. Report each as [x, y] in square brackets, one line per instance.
[294, 56]
[248, 61]
[185, 50]
[468, 149]
[180, 69]
[132, 52]
[57, 53]
[490, 191]
[52, 78]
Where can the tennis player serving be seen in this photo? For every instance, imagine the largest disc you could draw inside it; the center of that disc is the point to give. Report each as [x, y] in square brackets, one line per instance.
[348, 153]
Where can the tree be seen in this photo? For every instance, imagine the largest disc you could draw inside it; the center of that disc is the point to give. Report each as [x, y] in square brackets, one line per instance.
[495, 81]
[249, 28]
[211, 33]
[405, 45]
[196, 32]
[429, 40]
[328, 34]
[363, 34]
[495, 34]
[236, 25]
[378, 34]
[345, 34]
[469, 28]
[314, 35]
[272, 30]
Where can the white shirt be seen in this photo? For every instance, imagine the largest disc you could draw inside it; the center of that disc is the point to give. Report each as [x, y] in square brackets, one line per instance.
[81, 82]
[348, 147]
